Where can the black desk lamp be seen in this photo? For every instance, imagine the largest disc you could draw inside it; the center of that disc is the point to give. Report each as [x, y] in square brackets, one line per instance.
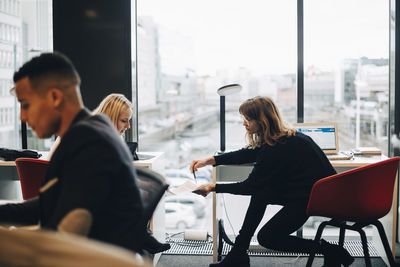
[223, 91]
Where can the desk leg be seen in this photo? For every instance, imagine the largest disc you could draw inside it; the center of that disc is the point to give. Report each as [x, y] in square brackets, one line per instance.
[395, 208]
[214, 215]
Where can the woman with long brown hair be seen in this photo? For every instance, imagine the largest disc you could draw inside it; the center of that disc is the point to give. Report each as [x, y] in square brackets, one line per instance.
[286, 165]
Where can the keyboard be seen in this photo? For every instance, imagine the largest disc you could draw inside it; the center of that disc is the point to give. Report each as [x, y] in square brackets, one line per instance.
[341, 156]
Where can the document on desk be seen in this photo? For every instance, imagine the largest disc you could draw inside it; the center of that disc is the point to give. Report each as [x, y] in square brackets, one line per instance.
[186, 187]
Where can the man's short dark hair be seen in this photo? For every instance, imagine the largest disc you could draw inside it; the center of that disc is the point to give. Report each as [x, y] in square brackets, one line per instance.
[46, 65]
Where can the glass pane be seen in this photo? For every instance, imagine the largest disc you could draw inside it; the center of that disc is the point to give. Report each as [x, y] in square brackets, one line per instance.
[26, 31]
[347, 69]
[186, 51]
[394, 140]
[133, 130]
[10, 24]
[393, 132]
[37, 37]
[347, 72]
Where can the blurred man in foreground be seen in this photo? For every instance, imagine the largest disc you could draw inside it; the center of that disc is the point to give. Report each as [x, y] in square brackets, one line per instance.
[91, 170]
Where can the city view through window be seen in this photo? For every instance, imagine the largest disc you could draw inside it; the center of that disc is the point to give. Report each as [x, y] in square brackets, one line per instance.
[188, 49]
[25, 31]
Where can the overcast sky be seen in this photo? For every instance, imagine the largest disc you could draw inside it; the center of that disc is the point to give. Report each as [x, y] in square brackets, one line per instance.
[261, 34]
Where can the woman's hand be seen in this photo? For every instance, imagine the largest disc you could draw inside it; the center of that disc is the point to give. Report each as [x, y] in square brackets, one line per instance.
[196, 164]
[204, 190]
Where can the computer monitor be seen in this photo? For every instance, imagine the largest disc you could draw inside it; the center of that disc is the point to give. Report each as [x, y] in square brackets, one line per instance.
[325, 135]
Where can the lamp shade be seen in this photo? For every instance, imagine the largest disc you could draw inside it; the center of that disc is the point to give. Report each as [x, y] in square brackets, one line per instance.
[229, 89]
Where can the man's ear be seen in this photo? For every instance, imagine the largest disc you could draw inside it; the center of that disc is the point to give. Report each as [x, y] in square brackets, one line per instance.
[56, 97]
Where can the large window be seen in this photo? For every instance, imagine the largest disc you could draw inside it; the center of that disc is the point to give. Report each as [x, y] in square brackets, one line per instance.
[186, 51]
[346, 47]
[25, 31]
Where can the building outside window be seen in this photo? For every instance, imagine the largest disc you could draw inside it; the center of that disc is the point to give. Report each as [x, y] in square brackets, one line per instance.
[25, 30]
[187, 50]
[181, 66]
[347, 69]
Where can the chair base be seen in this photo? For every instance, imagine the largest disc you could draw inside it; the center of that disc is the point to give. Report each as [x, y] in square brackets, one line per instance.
[222, 236]
[343, 226]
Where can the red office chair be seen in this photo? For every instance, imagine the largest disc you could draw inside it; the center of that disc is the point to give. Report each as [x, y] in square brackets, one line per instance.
[31, 174]
[360, 196]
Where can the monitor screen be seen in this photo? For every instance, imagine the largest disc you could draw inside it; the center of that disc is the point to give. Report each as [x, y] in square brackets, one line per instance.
[322, 134]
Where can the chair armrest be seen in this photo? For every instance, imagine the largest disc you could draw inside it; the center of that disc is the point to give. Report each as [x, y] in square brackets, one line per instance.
[77, 221]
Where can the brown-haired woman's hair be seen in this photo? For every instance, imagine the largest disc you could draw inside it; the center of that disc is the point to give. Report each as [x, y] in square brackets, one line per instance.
[112, 106]
[271, 128]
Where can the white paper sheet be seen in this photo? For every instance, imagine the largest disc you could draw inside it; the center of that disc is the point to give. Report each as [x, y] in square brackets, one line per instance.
[186, 187]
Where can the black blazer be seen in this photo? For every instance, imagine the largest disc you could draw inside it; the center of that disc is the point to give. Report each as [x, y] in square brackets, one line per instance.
[92, 169]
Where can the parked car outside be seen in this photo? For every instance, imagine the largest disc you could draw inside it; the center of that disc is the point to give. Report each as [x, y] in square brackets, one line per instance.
[179, 216]
[198, 203]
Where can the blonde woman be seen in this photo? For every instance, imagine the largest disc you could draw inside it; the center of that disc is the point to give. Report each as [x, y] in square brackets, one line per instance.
[119, 109]
[286, 165]
[115, 106]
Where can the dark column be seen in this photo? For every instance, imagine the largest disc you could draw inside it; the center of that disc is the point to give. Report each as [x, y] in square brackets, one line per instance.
[96, 36]
[394, 88]
[394, 57]
[300, 61]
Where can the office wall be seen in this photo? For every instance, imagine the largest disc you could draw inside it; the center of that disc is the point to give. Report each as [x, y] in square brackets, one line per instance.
[96, 36]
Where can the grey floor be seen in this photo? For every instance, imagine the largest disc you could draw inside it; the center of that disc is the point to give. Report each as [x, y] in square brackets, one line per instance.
[204, 261]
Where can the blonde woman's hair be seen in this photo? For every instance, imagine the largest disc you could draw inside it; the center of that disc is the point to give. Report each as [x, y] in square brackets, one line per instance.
[271, 128]
[113, 105]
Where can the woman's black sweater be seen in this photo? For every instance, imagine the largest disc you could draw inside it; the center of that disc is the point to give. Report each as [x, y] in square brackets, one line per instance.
[288, 169]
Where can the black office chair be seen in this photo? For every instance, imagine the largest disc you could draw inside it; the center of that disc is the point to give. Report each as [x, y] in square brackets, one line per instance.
[152, 187]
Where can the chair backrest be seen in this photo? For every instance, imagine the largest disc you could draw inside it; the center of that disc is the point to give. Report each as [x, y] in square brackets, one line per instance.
[152, 187]
[361, 194]
[31, 173]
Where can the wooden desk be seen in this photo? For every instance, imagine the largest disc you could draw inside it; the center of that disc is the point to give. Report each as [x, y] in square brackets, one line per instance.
[8, 172]
[157, 222]
[224, 173]
[149, 163]
[154, 163]
[357, 161]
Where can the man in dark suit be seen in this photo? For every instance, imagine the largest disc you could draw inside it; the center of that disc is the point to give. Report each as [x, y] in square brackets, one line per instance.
[91, 169]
